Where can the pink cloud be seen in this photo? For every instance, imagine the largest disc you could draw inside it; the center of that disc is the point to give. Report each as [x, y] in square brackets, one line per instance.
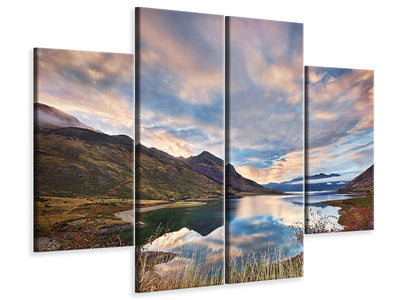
[163, 47]
[285, 168]
[324, 115]
[72, 82]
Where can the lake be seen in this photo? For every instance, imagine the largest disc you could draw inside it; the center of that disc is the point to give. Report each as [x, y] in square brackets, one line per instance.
[195, 233]
[316, 209]
[256, 224]
[202, 219]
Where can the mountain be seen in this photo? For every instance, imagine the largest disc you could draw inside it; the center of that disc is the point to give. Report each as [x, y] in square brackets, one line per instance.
[49, 117]
[163, 176]
[209, 165]
[362, 183]
[313, 183]
[316, 176]
[236, 183]
[322, 176]
[72, 162]
[160, 175]
[72, 159]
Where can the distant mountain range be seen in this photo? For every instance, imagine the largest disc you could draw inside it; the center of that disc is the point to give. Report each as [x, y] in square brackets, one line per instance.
[315, 182]
[320, 182]
[362, 183]
[316, 176]
[74, 160]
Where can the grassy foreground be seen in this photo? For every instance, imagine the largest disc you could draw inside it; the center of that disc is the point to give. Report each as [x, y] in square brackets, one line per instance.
[257, 269]
[79, 223]
[209, 272]
[180, 274]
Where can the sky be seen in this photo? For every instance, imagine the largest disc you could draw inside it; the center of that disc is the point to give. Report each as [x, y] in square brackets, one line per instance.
[340, 127]
[266, 99]
[181, 81]
[94, 87]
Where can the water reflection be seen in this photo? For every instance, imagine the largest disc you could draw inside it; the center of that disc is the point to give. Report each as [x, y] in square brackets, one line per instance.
[256, 224]
[320, 196]
[287, 209]
[317, 210]
[193, 249]
[261, 222]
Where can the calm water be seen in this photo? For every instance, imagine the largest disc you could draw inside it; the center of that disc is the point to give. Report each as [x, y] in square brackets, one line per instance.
[315, 208]
[257, 223]
[195, 233]
[320, 196]
[202, 219]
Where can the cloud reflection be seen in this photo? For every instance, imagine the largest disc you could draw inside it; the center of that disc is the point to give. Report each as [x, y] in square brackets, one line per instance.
[192, 247]
[287, 212]
[263, 222]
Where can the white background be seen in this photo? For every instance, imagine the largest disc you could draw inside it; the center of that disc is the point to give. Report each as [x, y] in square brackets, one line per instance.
[352, 34]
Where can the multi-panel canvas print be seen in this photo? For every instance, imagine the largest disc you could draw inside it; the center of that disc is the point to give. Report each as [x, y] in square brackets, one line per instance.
[340, 149]
[264, 210]
[179, 171]
[220, 165]
[83, 149]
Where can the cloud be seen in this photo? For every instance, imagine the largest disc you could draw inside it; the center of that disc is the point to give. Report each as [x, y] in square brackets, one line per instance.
[197, 132]
[286, 167]
[265, 95]
[325, 115]
[343, 156]
[181, 82]
[341, 119]
[104, 108]
[95, 87]
[348, 86]
[166, 142]
[313, 76]
[282, 77]
[190, 46]
[360, 158]
[269, 54]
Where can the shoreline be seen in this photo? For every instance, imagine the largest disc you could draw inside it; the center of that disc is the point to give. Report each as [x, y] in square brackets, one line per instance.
[127, 216]
[354, 210]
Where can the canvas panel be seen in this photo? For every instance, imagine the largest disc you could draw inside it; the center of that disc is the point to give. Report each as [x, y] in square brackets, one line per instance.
[180, 151]
[340, 149]
[264, 208]
[83, 149]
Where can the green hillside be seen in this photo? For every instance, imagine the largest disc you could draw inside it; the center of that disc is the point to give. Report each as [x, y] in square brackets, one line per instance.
[76, 162]
[162, 176]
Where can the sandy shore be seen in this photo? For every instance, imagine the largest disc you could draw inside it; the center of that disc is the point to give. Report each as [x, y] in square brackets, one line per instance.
[125, 216]
[150, 208]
